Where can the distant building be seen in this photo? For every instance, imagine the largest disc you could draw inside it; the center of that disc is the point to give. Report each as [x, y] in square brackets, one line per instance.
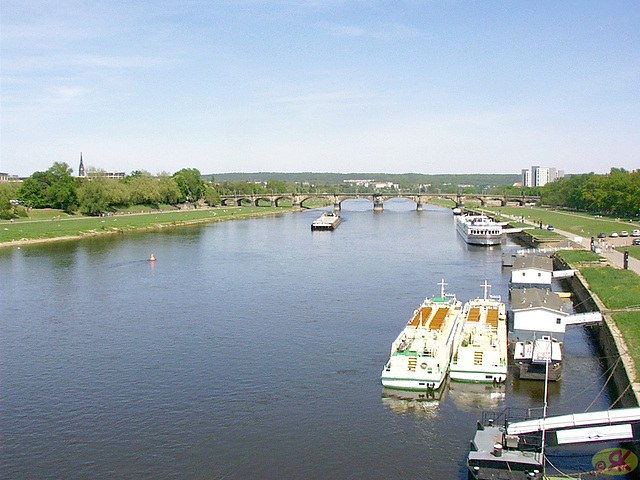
[532, 271]
[5, 177]
[537, 312]
[103, 174]
[81, 172]
[539, 176]
[363, 183]
[379, 185]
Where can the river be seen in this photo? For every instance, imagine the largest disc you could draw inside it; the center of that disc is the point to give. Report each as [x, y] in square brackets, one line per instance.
[248, 349]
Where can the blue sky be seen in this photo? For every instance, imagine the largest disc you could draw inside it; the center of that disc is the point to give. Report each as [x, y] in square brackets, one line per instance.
[323, 86]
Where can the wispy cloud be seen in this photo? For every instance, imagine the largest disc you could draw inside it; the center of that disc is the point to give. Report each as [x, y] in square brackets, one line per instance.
[35, 63]
[66, 94]
[397, 31]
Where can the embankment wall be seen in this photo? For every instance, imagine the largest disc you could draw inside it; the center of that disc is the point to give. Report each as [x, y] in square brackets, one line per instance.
[610, 341]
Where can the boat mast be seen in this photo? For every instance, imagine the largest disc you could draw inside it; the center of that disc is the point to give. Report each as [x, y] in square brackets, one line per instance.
[487, 289]
[442, 285]
[544, 408]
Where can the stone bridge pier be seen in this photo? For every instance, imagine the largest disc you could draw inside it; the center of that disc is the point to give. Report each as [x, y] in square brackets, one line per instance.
[298, 199]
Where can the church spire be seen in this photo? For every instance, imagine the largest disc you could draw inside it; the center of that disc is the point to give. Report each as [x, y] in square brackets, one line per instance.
[81, 167]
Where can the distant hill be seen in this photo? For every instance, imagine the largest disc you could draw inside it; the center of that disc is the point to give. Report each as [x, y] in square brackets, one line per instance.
[400, 178]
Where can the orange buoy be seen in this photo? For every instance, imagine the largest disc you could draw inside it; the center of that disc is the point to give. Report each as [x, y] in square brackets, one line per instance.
[153, 259]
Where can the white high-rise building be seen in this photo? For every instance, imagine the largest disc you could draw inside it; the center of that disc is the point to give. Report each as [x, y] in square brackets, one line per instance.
[540, 176]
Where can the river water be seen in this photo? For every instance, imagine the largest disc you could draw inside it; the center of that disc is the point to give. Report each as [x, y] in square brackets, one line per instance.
[249, 349]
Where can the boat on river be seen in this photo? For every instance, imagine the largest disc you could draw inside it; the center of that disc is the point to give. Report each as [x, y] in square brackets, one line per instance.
[531, 358]
[421, 354]
[479, 229]
[494, 454]
[481, 348]
[327, 221]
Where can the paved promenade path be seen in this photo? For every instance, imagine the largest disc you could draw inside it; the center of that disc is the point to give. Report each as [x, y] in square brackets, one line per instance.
[607, 250]
[607, 245]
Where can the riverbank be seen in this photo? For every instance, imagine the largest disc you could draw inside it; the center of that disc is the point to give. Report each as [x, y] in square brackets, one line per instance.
[618, 336]
[29, 232]
[603, 285]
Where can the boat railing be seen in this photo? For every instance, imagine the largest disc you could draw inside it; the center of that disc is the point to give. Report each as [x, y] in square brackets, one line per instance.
[506, 416]
[527, 442]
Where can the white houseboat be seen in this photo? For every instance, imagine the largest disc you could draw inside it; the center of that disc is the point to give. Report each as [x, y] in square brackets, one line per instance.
[540, 319]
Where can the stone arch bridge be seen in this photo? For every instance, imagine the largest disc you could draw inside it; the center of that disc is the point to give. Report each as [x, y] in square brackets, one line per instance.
[378, 199]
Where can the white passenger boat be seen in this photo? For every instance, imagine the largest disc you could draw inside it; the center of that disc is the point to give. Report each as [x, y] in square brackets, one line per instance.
[327, 221]
[421, 353]
[479, 229]
[481, 348]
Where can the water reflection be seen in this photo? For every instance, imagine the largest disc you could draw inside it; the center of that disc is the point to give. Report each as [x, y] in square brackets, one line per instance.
[421, 404]
[474, 397]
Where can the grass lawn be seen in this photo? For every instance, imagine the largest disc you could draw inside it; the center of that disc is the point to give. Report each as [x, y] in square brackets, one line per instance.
[51, 226]
[581, 224]
[634, 250]
[506, 214]
[629, 323]
[616, 288]
[442, 202]
[41, 214]
[148, 209]
[619, 289]
[577, 257]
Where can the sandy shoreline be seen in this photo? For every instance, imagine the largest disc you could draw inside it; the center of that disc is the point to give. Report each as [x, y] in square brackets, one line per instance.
[155, 226]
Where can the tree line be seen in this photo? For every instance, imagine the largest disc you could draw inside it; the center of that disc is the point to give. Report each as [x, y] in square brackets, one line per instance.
[95, 194]
[617, 192]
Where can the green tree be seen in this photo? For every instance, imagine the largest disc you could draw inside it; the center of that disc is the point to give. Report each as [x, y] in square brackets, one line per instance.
[7, 194]
[62, 191]
[33, 191]
[190, 184]
[143, 189]
[92, 195]
[99, 195]
[168, 190]
[54, 188]
[617, 192]
[211, 196]
[278, 186]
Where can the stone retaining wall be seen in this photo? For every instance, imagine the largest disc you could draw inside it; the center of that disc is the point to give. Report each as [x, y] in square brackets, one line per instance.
[610, 342]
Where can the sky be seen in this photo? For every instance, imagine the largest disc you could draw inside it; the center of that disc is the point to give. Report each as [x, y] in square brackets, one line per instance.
[433, 86]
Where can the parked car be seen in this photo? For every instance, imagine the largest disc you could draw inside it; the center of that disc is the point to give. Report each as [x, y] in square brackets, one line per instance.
[614, 234]
[624, 233]
[550, 227]
[602, 235]
[636, 241]
[635, 233]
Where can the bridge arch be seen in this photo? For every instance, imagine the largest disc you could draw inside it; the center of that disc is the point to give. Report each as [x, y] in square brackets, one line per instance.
[377, 199]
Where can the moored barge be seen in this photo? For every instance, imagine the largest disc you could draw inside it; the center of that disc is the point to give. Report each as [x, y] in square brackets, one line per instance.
[421, 354]
[327, 221]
